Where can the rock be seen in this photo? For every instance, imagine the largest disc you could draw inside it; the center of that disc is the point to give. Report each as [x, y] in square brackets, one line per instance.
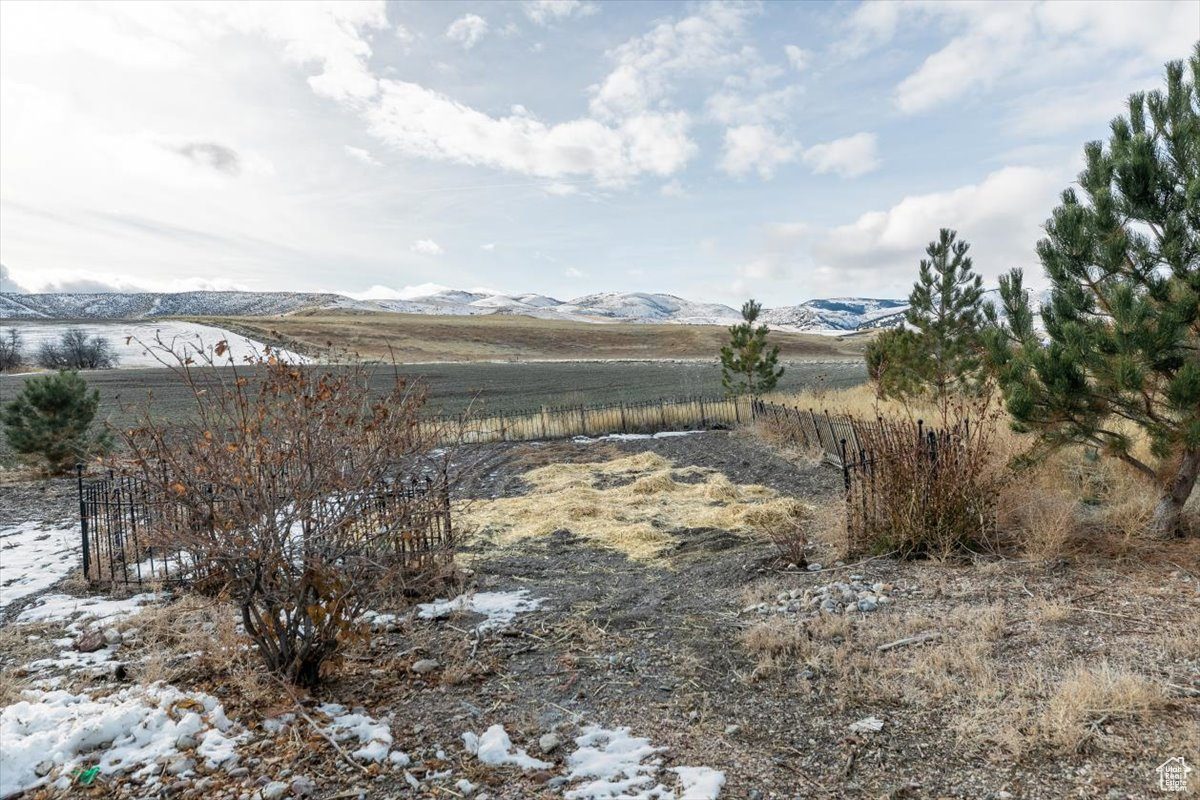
[112, 636]
[549, 742]
[239, 772]
[90, 642]
[867, 725]
[180, 765]
[731, 730]
[814, 567]
[425, 665]
[43, 768]
[867, 604]
[274, 790]
[186, 742]
[1003, 795]
[556, 783]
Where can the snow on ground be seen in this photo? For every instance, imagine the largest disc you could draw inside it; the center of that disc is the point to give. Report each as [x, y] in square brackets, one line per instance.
[32, 559]
[81, 612]
[374, 736]
[500, 608]
[608, 763]
[138, 729]
[494, 747]
[178, 336]
[632, 437]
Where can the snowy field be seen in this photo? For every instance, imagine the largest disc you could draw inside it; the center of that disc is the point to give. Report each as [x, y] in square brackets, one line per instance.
[34, 558]
[135, 342]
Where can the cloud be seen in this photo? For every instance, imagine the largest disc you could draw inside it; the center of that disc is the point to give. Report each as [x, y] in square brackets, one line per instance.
[212, 155]
[797, 57]
[360, 154]
[404, 35]
[572, 272]
[849, 157]
[1038, 43]
[87, 281]
[545, 12]
[427, 247]
[673, 188]
[8, 284]
[647, 65]
[735, 108]
[489, 246]
[421, 122]
[560, 189]
[380, 292]
[756, 148]
[467, 30]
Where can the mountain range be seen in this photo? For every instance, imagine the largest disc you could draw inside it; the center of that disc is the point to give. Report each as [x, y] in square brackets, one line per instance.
[833, 315]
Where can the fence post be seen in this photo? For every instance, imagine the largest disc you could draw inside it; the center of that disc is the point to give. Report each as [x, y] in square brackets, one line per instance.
[83, 522]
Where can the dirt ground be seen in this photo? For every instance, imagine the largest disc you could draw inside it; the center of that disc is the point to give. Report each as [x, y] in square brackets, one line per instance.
[1033, 680]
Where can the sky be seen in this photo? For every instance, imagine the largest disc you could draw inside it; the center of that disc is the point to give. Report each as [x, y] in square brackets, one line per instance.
[717, 151]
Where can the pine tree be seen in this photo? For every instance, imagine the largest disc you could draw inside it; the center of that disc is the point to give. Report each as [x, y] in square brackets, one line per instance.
[748, 364]
[939, 353]
[1122, 347]
[50, 420]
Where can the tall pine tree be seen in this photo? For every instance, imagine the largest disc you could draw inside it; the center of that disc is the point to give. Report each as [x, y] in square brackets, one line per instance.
[939, 352]
[748, 364]
[1122, 348]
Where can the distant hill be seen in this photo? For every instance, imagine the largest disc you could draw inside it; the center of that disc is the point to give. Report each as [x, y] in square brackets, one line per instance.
[833, 315]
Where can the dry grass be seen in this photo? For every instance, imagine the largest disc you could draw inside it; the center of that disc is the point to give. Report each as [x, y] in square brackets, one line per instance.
[778, 647]
[1089, 698]
[633, 504]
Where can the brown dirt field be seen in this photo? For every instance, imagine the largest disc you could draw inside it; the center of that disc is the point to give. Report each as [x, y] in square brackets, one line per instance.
[416, 337]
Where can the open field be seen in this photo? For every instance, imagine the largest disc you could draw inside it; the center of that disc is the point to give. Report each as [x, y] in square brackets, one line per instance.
[495, 337]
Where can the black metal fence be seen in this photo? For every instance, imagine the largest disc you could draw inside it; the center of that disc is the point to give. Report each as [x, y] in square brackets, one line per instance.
[135, 534]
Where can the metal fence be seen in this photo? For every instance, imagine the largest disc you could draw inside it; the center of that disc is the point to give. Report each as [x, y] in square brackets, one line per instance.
[132, 529]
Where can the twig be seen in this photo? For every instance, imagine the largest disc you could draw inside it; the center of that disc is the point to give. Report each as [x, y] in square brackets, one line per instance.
[324, 735]
[920, 638]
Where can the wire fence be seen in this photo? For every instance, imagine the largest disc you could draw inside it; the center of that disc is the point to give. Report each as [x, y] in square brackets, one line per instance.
[132, 529]
[565, 422]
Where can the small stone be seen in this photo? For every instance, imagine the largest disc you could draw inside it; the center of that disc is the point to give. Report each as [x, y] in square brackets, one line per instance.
[179, 786]
[43, 768]
[867, 604]
[549, 742]
[731, 730]
[1003, 795]
[90, 642]
[302, 787]
[239, 772]
[867, 725]
[180, 765]
[186, 742]
[424, 665]
[814, 567]
[274, 790]
[112, 636]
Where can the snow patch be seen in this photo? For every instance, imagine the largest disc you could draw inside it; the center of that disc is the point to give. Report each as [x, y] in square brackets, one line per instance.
[500, 608]
[81, 611]
[133, 730]
[494, 747]
[632, 437]
[374, 736]
[32, 559]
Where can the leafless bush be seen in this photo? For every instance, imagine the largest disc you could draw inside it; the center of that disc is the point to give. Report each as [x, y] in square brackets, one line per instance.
[75, 350]
[281, 479]
[11, 356]
[927, 492]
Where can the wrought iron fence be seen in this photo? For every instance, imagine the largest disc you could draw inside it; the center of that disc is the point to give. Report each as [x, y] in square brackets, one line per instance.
[134, 533]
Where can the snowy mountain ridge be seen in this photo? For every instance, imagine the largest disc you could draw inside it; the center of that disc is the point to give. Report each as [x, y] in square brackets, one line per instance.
[833, 314]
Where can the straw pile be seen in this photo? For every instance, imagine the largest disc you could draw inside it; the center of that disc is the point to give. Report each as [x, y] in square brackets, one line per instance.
[638, 504]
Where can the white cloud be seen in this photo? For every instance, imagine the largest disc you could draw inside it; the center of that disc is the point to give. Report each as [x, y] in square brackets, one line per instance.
[418, 121]
[849, 157]
[544, 12]
[797, 57]
[756, 148]
[359, 154]
[560, 189]
[404, 35]
[489, 246]
[8, 283]
[735, 108]
[467, 30]
[427, 247]
[1040, 42]
[673, 188]
[647, 65]
[572, 272]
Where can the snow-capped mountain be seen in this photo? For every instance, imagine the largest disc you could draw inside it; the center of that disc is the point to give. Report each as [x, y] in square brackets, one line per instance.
[832, 315]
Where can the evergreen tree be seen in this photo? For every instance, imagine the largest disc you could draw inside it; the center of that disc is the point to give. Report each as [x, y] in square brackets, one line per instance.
[939, 352]
[748, 364]
[50, 420]
[1122, 339]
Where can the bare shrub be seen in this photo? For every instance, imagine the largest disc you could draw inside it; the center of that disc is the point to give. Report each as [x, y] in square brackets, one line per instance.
[287, 482]
[75, 350]
[11, 355]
